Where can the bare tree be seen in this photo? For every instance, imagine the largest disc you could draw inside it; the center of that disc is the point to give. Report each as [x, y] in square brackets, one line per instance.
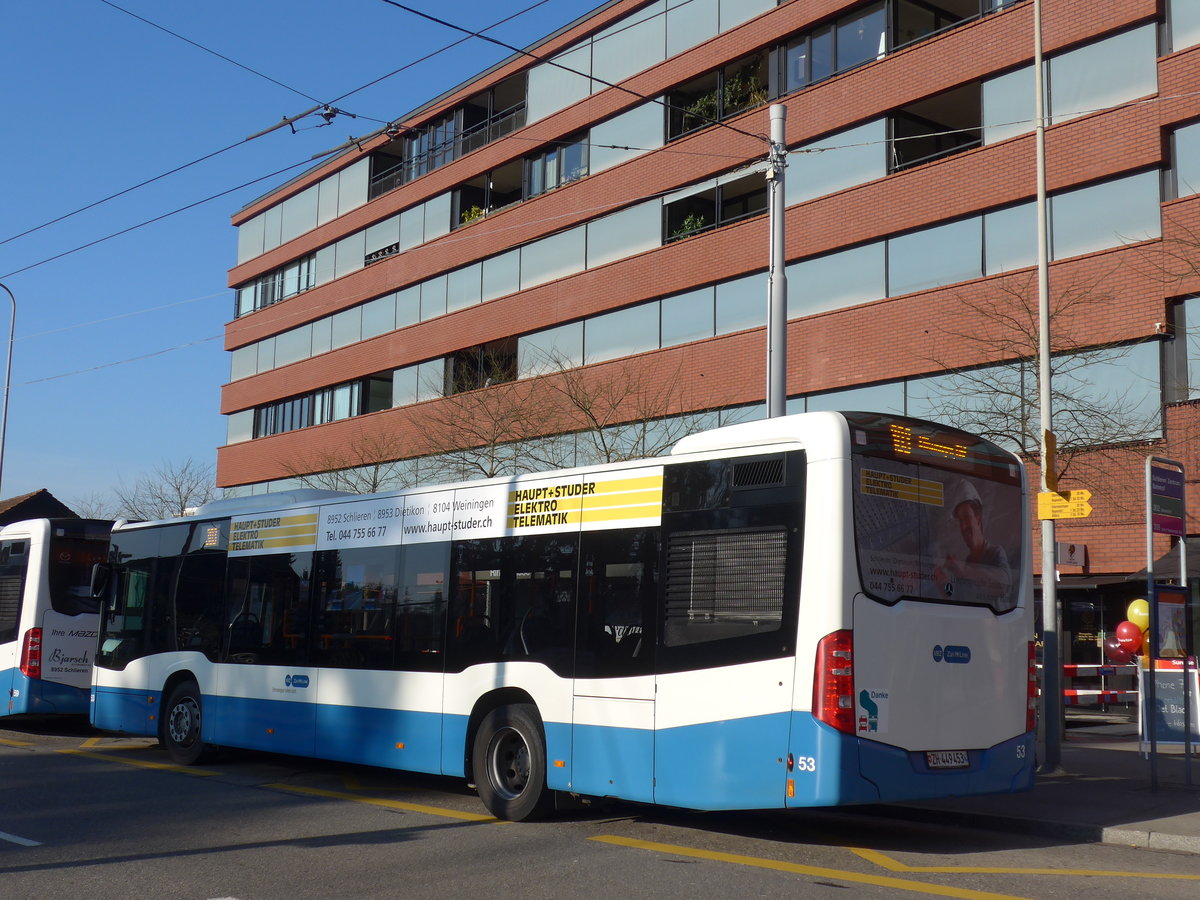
[95, 505]
[1000, 401]
[369, 464]
[172, 489]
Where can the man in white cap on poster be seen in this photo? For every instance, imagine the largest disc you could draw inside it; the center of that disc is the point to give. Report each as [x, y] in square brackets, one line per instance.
[983, 574]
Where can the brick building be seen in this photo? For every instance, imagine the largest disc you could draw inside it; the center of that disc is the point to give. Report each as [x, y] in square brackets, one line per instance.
[598, 203]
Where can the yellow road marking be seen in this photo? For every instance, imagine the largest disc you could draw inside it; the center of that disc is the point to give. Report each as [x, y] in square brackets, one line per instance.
[9, 743]
[98, 743]
[140, 763]
[894, 865]
[386, 804]
[917, 887]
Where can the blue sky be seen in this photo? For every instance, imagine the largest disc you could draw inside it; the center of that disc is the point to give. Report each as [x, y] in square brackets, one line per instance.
[118, 359]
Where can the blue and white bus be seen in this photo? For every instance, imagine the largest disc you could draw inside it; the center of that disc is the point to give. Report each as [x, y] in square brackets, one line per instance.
[48, 617]
[810, 610]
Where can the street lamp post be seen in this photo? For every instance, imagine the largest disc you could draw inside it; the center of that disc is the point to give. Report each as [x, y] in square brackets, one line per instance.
[12, 330]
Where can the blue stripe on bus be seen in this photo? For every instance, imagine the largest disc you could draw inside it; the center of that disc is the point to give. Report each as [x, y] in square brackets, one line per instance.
[32, 696]
[125, 710]
[614, 762]
[734, 764]
[834, 768]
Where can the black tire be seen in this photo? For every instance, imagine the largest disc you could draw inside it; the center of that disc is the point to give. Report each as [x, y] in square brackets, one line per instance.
[179, 730]
[508, 760]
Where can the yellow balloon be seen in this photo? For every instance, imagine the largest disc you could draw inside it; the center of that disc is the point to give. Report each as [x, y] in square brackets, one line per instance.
[1138, 612]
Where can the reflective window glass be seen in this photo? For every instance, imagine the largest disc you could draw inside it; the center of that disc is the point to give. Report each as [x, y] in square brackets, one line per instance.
[412, 227]
[621, 333]
[1105, 215]
[551, 88]
[292, 346]
[239, 426]
[688, 317]
[836, 280]
[299, 214]
[352, 186]
[404, 386]
[347, 327]
[550, 349]
[382, 236]
[437, 216]
[886, 398]
[501, 275]
[1010, 238]
[1104, 74]
[379, 316]
[552, 257]
[625, 233]
[690, 23]
[250, 239]
[243, 362]
[408, 306]
[322, 335]
[839, 161]
[266, 354]
[431, 379]
[935, 256]
[735, 12]
[1008, 105]
[1184, 19]
[625, 136]
[350, 254]
[433, 297]
[1187, 159]
[861, 37]
[741, 303]
[634, 43]
[463, 287]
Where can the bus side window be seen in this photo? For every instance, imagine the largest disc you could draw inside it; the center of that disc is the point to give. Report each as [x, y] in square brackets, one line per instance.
[618, 592]
[13, 562]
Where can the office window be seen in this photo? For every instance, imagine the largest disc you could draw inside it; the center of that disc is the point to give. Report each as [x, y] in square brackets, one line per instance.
[621, 333]
[379, 316]
[623, 234]
[725, 92]
[463, 287]
[623, 137]
[552, 257]
[741, 303]
[322, 335]
[887, 398]
[250, 239]
[935, 256]
[691, 23]
[836, 280]
[347, 327]
[630, 45]
[549, 350]
[688, 317]
[839, 161]
[349, 256]
[294, 345]
[552, 88]
[239, 426]
[1104, 74]
[1187, 159]
[299, 214]
[861, 37]
[408, 306]
[243, 362]
[1008, 107]
[1010, 238]
[1105, 215]
[1184, 19]
[501, 275]
[564, 162]
[433, 297]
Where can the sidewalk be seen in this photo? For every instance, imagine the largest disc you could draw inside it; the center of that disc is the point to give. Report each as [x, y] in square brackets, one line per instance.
[1102, 794]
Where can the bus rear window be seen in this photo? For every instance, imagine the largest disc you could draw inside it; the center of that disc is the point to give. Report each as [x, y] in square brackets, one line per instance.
[938, 515]
[70, 572]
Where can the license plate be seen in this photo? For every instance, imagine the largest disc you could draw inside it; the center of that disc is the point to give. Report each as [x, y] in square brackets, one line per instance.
[947, 759]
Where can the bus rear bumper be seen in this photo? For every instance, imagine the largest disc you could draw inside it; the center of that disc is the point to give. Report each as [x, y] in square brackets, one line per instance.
[33, 697]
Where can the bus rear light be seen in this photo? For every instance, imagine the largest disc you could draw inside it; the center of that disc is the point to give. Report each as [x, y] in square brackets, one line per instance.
[31, 654]
[1031, 693]
[833, 681]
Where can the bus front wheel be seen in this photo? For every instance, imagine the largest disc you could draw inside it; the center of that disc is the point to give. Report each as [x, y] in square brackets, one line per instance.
[180, 726]
[508, 760]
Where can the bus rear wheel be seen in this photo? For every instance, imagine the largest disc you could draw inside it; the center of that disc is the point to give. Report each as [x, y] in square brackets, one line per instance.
[179, 730]
[508, 760]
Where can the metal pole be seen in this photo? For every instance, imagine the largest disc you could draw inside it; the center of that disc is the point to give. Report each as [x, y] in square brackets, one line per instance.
[12, 330]
[777, 269]
[1051, 667]
[1148, 723]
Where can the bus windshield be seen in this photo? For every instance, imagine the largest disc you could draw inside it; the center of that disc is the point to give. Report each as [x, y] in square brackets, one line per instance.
[74, 548]
[938, 514]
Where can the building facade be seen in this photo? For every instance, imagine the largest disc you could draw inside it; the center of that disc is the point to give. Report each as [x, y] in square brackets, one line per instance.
[593, 212]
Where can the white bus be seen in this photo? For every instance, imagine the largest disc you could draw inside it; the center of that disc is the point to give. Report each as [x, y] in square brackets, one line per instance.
[810, 610]
[48, 617]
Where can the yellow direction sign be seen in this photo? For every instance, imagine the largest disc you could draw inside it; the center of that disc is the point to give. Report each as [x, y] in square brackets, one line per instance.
[1064, 504]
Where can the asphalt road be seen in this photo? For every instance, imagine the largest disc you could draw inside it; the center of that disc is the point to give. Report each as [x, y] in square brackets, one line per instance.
[90, 816]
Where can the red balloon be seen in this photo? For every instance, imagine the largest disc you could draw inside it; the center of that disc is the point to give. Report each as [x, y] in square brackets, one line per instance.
[1130, 636]
[1116, 653]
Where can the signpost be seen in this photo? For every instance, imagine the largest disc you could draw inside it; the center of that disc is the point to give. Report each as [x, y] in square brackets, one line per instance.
[1064, 504]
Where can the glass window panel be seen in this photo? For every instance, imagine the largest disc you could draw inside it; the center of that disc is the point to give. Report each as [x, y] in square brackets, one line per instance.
[551, 348]
[463, 287]
[266, 354]
[635, 43]
[323, 264]
[935, 256]
[327, 200]
[1187, 159]
[836, 280]
[1010, 238]
[1184, 16]
[688, 317]
[294, 345]
[501, 275]
[437, 216]
[349, 254]
[839, 161]
[433, 297]
[886, 398]
[322, 335]
[1008, 105]
[291, 280]
[382, 234]
[1104, 74]
[272, 227]
[551, 88]
[379, 316]
[243, 362]
[1124, 383]
[629, 232]
[625, 136]
[553, 257]
[245, 299]
[299, 214]
[1105, 215]
[821, 54]
[240, 426]
[347, 327]
[345, 397]
[621, 333]
[741, 303]
[735, 12]
[690, 23]
[352, 186]
[861, 37]
[408, 306]
[404, 386]
[431, 379]
[250, 239]
[412, 227]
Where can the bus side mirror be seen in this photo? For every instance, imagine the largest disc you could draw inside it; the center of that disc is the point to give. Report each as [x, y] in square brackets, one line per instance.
[101, 577]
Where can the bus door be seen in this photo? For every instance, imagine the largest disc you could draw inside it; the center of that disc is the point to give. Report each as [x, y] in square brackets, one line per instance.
[732, 533]
[613, 720]
[14, 560]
